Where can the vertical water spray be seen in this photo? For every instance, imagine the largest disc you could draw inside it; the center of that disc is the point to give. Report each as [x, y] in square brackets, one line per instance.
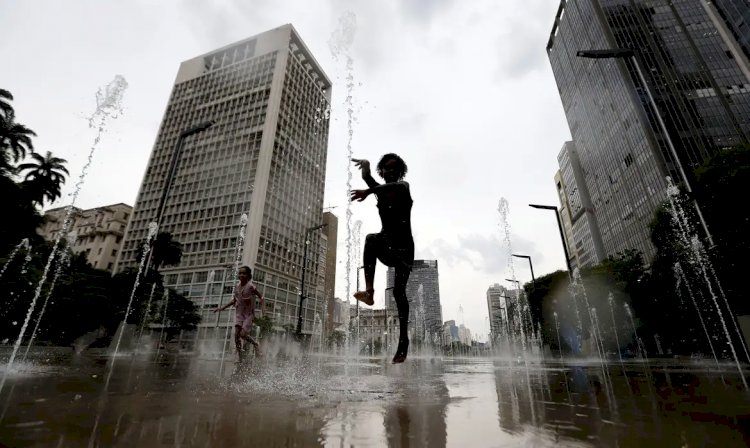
[577, 289]
[680, 279]
[24, 244]
[209, 281]
[699, 261]
[356, 255]
[339, 44]
[503, 209]
[146, 313]
[153, 228]
[62, 264]
[611, 301]
[108, 105]
[605, 369]
[163, 321]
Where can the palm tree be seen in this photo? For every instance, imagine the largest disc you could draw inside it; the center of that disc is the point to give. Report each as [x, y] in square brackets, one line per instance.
[5, 98]
[45, 175]
[15, 139]
[166, 251]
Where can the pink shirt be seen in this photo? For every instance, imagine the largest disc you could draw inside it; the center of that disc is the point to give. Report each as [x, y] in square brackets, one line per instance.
[243, 295]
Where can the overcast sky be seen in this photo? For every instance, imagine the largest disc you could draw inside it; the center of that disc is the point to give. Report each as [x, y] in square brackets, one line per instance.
[462, 90]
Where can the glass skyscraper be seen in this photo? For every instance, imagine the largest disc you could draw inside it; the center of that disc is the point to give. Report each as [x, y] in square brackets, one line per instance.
[264, 156]
[423, 292]
[699, 85]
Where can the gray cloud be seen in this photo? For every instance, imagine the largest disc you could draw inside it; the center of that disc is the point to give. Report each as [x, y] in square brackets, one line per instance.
[423, 10]
[521, 46]
[484, 253]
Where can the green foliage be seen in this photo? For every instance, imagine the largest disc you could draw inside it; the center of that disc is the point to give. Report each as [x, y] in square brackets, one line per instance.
[265, 324]
[21, 217]
[336, 339]
[165, 251]
[43, 178]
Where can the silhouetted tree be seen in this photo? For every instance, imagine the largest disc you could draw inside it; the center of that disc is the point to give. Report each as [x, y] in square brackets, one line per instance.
[44, 177]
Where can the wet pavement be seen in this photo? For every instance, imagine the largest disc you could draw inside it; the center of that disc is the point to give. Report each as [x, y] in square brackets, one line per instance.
[57, 399]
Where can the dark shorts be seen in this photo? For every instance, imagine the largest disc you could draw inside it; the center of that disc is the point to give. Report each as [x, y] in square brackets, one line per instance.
[392, 252]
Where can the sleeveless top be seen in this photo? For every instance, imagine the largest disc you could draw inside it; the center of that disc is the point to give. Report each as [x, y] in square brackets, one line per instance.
[395, 213]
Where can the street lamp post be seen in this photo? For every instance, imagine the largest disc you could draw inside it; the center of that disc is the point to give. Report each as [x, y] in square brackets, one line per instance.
[531, 266]
[304, 270]
[629, 53]
[518, 283]
[171, 174]
[562, 235]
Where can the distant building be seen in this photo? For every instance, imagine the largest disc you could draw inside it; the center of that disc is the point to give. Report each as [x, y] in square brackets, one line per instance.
[464, 335]
[99, 230]
[330, 235]
[496, 310]
[376, 326]
[423, 292]
[338, 315]
[450, 332]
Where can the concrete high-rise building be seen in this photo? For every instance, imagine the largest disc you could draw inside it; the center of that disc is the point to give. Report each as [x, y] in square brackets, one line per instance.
[464, 335]
[732, 17]
[585, 245]
[702, 93]
[425, 311]
[566, 218]
[330, 232]
[496, 310]
[99, 230]
[450, 332]
[264, 156]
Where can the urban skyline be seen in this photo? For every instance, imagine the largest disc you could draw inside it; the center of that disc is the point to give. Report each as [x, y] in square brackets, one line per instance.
[393, 96]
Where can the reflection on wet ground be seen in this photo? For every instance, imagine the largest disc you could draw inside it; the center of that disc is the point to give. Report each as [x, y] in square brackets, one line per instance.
[61, 400]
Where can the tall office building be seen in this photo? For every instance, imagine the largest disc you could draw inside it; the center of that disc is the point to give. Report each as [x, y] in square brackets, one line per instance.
[496, 310]
[423, 292]
[264, 156]
[701, 91]
[733, 17]
[585, 245]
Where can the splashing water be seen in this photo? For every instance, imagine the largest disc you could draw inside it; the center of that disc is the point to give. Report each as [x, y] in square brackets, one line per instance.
[24, 244]
[108, 105]
[680, 280]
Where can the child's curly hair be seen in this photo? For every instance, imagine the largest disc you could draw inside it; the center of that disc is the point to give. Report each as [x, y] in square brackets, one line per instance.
[402, 168]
